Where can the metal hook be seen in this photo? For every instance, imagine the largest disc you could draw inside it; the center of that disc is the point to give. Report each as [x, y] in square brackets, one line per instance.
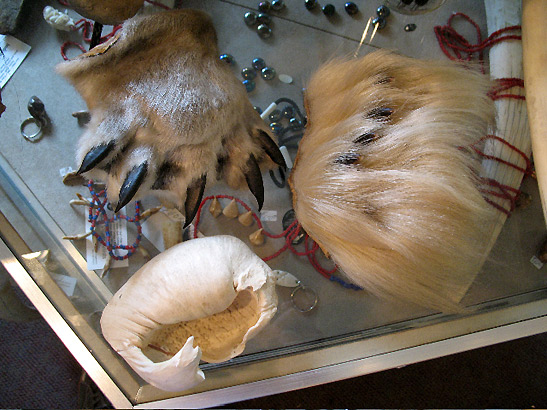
[301, 307]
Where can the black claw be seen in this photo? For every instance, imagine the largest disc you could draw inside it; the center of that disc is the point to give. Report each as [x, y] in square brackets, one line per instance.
[95, 155]
[381, 112]
[364, 139]
[271, 148]
[347, 159]
[194, 194]
[254, 180]
[131, 185]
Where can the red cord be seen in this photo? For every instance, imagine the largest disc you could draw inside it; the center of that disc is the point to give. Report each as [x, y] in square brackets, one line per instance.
[290, 234]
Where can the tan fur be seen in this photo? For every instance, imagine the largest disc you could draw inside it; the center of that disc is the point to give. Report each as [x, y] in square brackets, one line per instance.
[161, 92]
[107, 11]
[405, 219]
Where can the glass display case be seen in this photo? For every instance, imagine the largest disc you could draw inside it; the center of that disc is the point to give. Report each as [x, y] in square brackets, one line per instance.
[346, 332]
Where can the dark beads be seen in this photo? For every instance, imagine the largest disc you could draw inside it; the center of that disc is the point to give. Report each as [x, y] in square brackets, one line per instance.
[275, 116]
[328, 10]
[249, 85]
[248, 73]
[351, 8]
[383, 11]
[259, 64]
[263, 18]
[258, 109]
[278, 5]
[250, 18]
[410, 27]
[380, 21]
[264, 6]
[276, 127]
[268, 73]
[227, 58]
[264, 31]
[295, 122]
[288, 112]
[310, 4]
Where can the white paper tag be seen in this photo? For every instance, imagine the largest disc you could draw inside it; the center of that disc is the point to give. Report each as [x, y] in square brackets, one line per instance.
[66, 283]
[66, 170]
[13, 53]
[268, 215]
[118, 236]
[534, 260]
[173, 214]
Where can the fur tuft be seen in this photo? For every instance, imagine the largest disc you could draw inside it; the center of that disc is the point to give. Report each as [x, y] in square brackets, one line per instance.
[383, 181]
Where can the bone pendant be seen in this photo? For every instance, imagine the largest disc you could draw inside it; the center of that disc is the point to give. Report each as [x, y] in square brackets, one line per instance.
[384, 179]
[201, 299]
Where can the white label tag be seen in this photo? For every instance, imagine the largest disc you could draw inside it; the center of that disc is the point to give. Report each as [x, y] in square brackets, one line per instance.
[66, 170]
[534, 260]
[118, 236]
[13, 53]
[174, 215]
[66, 283]
[268, 215]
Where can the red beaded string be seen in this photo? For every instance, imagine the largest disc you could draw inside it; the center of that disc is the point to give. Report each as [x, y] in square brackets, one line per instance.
[98, 216]
[290, 234]
[454, 46]
[87, 28]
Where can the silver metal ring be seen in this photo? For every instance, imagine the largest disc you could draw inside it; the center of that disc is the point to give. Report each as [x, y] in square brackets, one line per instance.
[309, 297]
[32, 137]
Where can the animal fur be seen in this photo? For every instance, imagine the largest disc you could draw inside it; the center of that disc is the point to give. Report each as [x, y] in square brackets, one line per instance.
[383, 181]
[160, 98]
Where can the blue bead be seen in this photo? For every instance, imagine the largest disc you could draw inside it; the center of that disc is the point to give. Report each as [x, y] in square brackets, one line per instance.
[410, 27]
[288, 112]
[383, 11]
[275, 116]
[295, 122]
[258, 109]
[310, 4]
[249, 85]
[351, 8]
[268, 73]
[264, 31]
[259, 63]
[380, 21]
[263, 18]
[250, 18]
[248, 73]
[328, 10]
[264, 6]
[276, 127]
[227, 58]
[278, 5]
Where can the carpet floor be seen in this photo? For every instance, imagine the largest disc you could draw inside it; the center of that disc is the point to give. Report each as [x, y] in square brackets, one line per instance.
[37, 371]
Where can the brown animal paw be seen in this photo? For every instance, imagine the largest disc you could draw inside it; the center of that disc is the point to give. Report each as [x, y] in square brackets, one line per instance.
[167, 116]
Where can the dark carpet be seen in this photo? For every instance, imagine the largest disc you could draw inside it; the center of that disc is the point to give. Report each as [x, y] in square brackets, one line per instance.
[37, 371]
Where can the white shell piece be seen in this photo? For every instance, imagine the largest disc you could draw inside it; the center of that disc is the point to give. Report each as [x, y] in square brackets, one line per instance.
[286, 279]
[213, 292]
[58, 19]
[285, 78]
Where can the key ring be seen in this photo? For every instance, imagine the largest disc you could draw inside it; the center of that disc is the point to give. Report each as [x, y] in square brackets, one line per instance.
[35, 136]
[308, 295]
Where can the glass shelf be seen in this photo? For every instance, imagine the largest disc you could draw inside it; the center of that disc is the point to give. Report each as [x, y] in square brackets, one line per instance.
[349, 332]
